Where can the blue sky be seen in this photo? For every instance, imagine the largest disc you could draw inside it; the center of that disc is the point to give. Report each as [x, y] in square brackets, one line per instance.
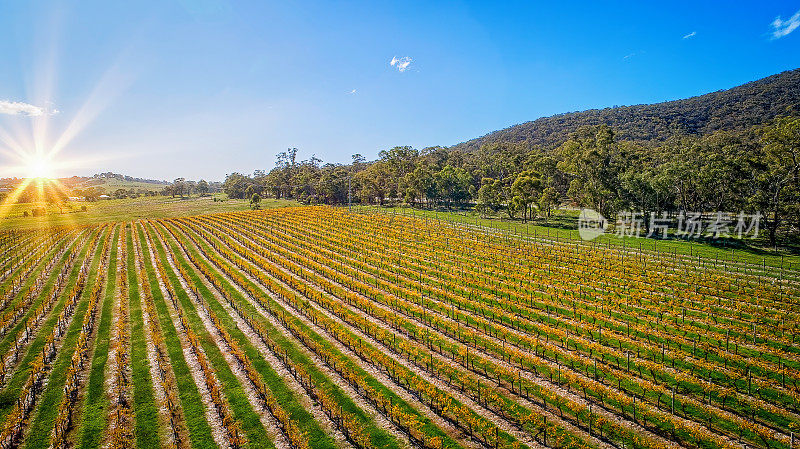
[169, 88]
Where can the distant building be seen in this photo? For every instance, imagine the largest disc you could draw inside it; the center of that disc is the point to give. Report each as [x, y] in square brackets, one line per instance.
[104, 197]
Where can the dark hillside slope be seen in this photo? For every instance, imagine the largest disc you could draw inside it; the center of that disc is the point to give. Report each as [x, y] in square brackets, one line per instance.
[735, 109]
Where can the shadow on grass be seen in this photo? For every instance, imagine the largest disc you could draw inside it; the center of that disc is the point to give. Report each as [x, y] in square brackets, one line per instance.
[568, 221]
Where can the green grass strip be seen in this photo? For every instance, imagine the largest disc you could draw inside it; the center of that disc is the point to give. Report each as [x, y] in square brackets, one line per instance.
[94, 417]
[429, 427]
[39, 266]
[11, 335]
[234, 392]
[286, 397]
[42, 424]
[378, 436]
[191, 403]
[145, 409]
[9, 396]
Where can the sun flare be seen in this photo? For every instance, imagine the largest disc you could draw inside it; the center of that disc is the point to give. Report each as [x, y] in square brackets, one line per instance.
[39, 167]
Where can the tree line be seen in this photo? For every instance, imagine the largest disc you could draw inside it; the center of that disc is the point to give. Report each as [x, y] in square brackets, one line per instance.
[182, 187]
[757, 170]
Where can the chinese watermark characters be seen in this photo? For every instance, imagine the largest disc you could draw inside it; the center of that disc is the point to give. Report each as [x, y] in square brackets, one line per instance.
[688, 225]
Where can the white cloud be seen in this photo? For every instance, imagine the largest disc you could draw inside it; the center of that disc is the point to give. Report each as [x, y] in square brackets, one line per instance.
[781, 28]
[20, 108]
[401, 63]
[352, 92]
[690, 35]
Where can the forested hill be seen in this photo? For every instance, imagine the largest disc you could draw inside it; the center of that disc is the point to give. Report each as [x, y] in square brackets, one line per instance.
[734, 109]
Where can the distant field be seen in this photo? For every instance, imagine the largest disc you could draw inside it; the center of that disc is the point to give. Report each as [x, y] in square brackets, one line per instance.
[122, 210]
[111, 185]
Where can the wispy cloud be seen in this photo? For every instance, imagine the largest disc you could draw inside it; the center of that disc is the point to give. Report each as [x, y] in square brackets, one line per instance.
[781, 28]
[401, 63]
[20, 108]
[690, 35]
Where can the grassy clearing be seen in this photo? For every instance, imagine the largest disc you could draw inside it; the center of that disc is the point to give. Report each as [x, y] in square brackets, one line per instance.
[772, 260]
[106, 211]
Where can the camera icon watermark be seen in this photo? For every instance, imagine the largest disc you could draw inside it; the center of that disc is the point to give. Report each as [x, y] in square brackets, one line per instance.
[591, 224]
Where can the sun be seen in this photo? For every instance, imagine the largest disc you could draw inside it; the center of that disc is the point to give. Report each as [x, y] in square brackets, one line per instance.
[39, 167]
